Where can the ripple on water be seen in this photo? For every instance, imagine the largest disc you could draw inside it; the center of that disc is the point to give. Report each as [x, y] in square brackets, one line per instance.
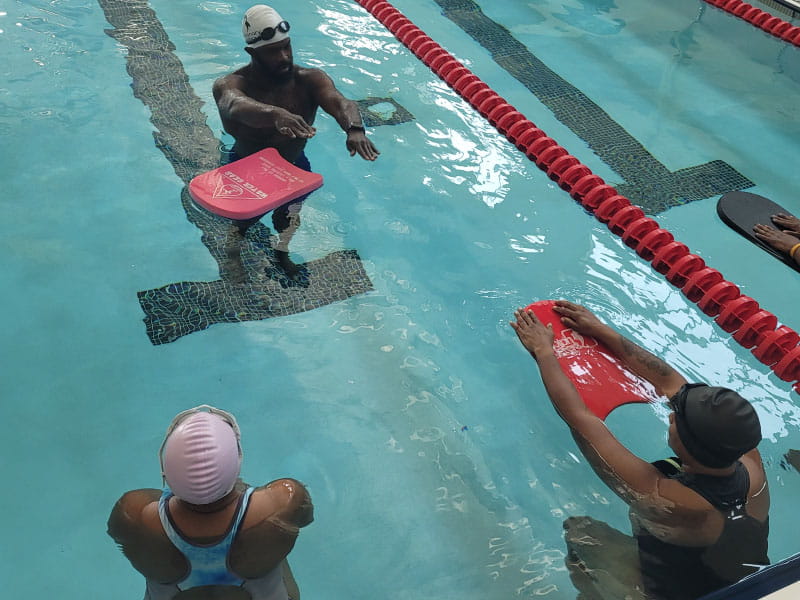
[222, 8]
[427, 434]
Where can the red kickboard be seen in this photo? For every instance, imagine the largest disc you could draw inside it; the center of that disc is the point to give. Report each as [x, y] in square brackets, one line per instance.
[252, 186]
[602, 380]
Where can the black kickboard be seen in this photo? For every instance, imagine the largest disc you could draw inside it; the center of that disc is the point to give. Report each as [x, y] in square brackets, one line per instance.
[741, 211]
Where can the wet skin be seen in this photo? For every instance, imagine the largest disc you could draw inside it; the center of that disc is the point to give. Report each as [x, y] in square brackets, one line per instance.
[782, 239]
[272, 103]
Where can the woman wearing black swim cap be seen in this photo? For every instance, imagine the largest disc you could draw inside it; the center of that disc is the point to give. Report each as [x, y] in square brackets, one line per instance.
[700, 519]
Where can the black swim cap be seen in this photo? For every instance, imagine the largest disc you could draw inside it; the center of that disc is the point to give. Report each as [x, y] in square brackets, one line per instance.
[715, 424]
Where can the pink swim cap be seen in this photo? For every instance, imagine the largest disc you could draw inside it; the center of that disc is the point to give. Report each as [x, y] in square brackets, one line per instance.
[201, 456]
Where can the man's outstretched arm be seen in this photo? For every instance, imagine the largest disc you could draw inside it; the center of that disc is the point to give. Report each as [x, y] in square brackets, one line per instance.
[664, 378]
[346, 114]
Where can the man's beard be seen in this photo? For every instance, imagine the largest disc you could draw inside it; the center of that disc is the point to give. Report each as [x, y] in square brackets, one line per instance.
[280, 76]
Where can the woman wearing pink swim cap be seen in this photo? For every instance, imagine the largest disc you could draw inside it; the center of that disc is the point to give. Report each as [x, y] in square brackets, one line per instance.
[207, 531]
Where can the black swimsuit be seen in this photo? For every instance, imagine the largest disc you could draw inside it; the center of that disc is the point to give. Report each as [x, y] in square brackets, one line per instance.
[672, 572]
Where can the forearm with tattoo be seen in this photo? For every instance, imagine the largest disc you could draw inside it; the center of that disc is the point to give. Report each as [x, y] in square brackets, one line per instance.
[666, 380]
[636, 355]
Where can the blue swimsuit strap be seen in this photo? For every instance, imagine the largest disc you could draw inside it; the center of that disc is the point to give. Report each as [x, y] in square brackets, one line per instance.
[185, 546]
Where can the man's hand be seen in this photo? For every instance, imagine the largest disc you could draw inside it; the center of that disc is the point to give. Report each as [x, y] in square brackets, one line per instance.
[292, 125]
[537, 339]
[579, 318]
[357, 141]
[787, 223]
[782, 241]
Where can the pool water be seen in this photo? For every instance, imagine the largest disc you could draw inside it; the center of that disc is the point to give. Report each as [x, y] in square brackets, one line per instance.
[407, 406]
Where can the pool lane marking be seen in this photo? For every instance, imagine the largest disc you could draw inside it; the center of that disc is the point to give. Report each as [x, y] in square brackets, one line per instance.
[183, 136]
[773, 25]
[752, 327]
[645, 179]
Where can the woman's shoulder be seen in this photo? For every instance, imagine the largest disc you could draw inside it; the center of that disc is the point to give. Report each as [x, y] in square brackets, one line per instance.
[135, 526]
[284, 501]
[132, 510]
[281, 493]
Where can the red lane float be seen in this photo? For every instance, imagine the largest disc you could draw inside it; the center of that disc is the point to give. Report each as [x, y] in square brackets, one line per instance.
[652, 242]
[755, 327]
[760, 18]
[717, 297]
[700, 282]
[788, 368]
[584, 185]
[741, 316]
[635, 231]
[735, 312]
[610, 206]
[596, 196]
[775, 345]
[621, 218]
[683, 268]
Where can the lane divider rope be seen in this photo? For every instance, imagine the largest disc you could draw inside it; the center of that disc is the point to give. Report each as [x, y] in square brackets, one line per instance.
[754, 328]
[761, 19]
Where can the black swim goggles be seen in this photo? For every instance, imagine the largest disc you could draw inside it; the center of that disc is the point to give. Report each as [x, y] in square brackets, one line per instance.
[268, 33]
[678, 402]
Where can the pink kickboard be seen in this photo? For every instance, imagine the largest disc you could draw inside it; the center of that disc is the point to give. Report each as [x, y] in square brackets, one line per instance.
[602, 380]
[252, 186]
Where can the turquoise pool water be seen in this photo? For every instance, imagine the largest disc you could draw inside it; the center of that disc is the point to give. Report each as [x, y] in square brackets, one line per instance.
[435, 461]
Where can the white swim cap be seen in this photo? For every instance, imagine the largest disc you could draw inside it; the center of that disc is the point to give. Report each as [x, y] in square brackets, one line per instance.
[263, 25]
[201, 456]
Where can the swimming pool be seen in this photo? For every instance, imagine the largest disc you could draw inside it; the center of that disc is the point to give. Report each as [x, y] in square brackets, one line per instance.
[435, 461]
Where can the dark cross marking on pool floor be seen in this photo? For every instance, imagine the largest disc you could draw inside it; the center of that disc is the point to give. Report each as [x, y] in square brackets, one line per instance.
[382, 111]
[181, 133]
[647, 182]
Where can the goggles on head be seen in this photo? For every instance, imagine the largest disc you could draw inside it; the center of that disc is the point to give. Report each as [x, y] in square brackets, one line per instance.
[678, 402]
[268, 33]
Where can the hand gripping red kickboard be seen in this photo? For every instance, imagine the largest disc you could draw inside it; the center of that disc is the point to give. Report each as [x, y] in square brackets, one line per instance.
[601, 379]
[252, 186]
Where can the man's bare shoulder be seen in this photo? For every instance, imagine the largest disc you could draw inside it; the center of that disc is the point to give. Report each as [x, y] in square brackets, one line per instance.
[237, 80]
[311, 76]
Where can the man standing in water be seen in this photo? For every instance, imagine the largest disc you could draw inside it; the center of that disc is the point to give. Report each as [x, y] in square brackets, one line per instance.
[207, 534]
[700, 520]
[272, 103]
